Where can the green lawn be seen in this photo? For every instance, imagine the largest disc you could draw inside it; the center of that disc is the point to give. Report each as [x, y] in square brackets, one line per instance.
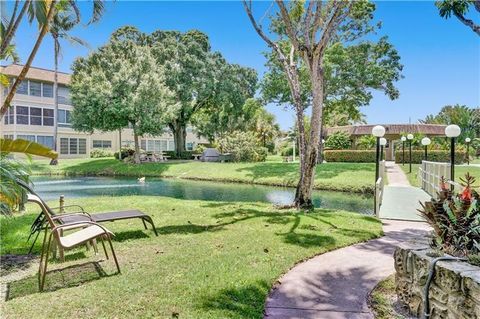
[210, 260]
[460, 171]
[354, 177]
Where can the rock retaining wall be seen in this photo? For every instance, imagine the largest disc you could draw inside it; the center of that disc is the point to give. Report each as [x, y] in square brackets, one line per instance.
[455, 289]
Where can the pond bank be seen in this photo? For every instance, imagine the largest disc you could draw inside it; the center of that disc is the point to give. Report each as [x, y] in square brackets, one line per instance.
[346, 177]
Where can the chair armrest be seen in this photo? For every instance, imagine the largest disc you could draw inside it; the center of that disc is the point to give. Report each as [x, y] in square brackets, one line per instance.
[60, 216]
[68, 206]
[79, 224]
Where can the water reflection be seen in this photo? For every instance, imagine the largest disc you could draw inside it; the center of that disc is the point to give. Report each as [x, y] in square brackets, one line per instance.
[52, 187]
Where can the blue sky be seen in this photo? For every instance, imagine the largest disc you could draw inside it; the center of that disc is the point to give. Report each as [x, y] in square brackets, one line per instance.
[441, 57]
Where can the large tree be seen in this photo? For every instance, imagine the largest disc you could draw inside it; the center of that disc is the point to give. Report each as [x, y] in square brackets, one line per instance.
[304, 32]
[121, 85]
[460, 8]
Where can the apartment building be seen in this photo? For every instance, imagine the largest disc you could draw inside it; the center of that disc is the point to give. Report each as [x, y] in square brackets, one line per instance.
[31, 116]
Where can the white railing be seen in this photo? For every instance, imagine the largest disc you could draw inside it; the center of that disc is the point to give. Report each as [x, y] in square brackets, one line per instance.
[430, 175]
[379, 184]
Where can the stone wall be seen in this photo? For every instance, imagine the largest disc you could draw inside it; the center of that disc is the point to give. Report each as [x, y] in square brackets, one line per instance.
[455, 289]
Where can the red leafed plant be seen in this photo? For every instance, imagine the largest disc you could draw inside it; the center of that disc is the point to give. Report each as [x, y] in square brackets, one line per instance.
[455, 218]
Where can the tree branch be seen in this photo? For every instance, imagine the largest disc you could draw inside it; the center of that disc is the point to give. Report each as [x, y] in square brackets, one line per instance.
[288, 24]
[468, 22]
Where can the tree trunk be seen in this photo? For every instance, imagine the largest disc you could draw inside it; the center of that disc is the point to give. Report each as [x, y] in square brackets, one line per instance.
[179, 136]
[23, 73]
[137, 147]
[12, 27]
[55, 97]
[303, 197]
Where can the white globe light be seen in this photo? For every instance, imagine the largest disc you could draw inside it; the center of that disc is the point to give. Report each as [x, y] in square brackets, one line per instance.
[468, 140]
[378, 131]
[452, 130]
[410, 137]
[323, 141]
[383, 141]
[403, 138]
[426, 141]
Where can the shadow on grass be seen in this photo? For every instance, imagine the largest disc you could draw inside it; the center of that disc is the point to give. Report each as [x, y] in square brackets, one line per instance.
[129, 234]
[243, 302]
[70, 276]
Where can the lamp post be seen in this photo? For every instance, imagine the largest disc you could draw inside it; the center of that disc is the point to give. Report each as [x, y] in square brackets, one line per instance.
[410, 138]
[378, 131]
[452, 131]
[383, 142]
[403, 139]
[467, 141]
[425, 142]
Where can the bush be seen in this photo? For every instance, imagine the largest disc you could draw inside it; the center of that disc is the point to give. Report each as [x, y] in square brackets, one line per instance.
[433, 155]
[338, 141]
[126, 152]
[182, 155]
[243, 147]
[97, 153]
[454, 219]
[288, 150]
[352, 156]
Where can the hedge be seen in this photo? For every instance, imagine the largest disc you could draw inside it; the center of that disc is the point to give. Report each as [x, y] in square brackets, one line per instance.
[352, 156]
[433, 155]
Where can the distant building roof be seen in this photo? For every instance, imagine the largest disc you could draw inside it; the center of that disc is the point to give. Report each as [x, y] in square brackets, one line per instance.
[35, 73]
[390, 129]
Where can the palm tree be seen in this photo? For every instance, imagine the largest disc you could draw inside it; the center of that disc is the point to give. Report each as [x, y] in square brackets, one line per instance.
[64, 21]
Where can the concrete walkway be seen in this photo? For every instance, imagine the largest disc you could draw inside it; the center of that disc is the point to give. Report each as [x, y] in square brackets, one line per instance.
[335, 285]
[395, 175]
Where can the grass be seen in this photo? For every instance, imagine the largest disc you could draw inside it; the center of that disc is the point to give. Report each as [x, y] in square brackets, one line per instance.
[460, 171]
[352, 177]
[210, 260]
[383, 301]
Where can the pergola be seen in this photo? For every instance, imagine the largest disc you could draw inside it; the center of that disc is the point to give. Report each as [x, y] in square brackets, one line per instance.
[393, 132]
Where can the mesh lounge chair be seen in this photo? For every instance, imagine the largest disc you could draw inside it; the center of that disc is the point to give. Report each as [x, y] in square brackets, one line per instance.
[82, 233]
[79, 215]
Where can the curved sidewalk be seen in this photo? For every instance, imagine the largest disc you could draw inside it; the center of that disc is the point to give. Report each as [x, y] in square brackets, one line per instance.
[335, 285]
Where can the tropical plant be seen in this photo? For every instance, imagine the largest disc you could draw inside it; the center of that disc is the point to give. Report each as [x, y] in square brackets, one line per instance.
[11, 195]
[459, 8]
[367, 142]
[243, 146]
[455, 219]
[338, 141]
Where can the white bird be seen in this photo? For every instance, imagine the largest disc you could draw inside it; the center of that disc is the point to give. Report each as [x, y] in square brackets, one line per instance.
[141, 180]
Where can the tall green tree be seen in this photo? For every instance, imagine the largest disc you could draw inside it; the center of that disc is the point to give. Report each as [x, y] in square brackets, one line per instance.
[460, 9]
[120, 85]
[305, 32]
[467, 118]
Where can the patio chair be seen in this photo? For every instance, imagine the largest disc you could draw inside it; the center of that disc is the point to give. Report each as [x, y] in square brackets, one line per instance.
[82, 233]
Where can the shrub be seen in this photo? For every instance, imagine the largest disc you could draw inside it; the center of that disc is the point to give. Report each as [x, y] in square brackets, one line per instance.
[433, 155]
[182, 155]
[287, 150]
[243, 147]
[367, 142]
[126, 152]
[97, 153]
[353, 156]
[338, 141]
[455, 219]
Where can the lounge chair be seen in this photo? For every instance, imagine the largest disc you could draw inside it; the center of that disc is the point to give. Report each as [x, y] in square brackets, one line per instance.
[79, 215]
[81, 233]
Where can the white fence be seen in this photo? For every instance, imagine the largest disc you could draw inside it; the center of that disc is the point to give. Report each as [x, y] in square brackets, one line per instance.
[379, 184]
[430, 175]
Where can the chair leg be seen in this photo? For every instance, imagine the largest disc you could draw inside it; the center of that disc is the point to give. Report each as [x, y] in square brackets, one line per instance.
[144, 225]
[150, 220]
[113, 253]
[104, 248]
[42, 282]
[41, 258]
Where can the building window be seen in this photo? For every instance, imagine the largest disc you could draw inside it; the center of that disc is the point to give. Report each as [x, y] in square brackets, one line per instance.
[35, 116]
[45, 140]
[30, 138]
[8, 136]
[22, 115]
[35, 88]
[64, 146]
[22, 88]
[9, 117]
[73, 146]
[171, 145]
[47, 117]
[102, 144]
[63, 95]
[64, 118]
[47, 89]
[189, 146]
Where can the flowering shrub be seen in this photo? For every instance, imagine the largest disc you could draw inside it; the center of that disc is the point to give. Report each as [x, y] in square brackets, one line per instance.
[455, 219]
